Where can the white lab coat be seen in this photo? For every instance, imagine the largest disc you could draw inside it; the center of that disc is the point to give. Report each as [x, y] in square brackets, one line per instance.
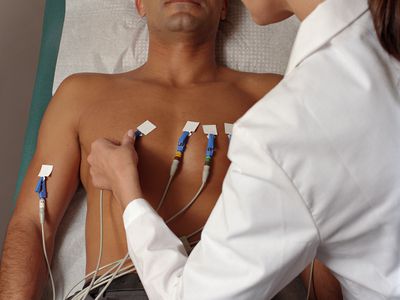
[315, 173]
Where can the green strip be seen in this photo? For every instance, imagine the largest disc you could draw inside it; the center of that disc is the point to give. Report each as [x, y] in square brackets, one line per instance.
[51, 36]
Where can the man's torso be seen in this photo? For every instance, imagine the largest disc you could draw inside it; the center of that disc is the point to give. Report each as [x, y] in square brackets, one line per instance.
[112, 104]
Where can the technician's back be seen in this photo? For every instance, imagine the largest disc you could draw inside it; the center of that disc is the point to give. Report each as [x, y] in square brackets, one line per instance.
[333, 127]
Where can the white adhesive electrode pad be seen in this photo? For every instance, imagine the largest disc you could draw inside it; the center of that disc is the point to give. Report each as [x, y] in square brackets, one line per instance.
[210, 129]
[228, 128]
[191, 126]
[146, 127]
[46, 171]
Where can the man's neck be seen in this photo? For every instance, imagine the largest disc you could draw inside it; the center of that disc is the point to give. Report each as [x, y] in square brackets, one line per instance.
[303, 8]
[181, 63]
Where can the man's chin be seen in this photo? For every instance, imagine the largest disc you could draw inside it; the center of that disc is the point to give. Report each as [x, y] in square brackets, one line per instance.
[183, 8]
[183, 22]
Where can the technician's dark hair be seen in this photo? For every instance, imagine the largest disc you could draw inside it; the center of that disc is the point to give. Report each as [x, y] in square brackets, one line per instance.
[386, 15]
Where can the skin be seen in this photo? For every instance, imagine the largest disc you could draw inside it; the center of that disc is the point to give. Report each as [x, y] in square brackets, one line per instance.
[180, 81]
[264, 12]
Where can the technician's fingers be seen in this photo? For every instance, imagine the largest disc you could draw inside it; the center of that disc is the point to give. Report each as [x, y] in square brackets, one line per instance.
[103, 144]
[98, 180]
[129, 138]
[100, 148]
[90, 159]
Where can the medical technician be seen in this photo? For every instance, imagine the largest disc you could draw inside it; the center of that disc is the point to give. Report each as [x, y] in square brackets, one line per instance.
[315, 170]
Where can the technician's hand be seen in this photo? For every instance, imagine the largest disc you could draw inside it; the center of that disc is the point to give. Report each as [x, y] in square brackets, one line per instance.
[114, 167]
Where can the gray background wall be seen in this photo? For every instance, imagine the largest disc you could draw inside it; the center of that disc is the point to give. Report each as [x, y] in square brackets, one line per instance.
[20, 32]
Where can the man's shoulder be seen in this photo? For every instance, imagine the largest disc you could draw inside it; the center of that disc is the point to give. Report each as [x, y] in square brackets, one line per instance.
[75, 94]
[82, 89]
[81, 82]
[257, 84]
[260, 82]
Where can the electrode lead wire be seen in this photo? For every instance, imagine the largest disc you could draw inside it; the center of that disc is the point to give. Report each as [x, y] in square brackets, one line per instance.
[100, 246]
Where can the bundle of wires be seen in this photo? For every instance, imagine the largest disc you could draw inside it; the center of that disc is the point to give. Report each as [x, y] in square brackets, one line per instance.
[115, 269]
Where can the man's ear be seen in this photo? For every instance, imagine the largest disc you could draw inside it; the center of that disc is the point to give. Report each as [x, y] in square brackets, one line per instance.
[224, 10]
[140, 8]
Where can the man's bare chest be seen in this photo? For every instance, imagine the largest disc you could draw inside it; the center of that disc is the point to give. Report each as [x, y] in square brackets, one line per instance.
[112, 114]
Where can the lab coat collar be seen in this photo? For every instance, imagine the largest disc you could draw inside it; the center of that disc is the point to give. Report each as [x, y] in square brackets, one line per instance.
[327, 20]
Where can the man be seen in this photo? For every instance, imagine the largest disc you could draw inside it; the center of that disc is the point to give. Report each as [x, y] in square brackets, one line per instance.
[180, 81]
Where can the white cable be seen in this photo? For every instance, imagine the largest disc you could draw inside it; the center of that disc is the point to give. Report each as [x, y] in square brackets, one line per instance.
[113, 277]
[172, 172]
[105, 275]
[118, 264]
[42, 204]
[42, 208]
[310, 280]
[194, 243]
[129, 270]
[98, 283]
[206, 172]
[115, 264]
[187, 205]
[100, 248]
[109, 271]
[195, 232]
[124, 270]
[165, 193]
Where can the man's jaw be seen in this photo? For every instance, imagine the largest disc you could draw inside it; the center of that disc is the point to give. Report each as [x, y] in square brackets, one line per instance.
[190, 7]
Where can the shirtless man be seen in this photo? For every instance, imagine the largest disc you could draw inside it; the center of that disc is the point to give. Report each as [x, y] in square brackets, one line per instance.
[180, 81]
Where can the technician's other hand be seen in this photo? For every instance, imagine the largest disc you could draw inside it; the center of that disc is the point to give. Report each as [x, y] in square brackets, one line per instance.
[114, 167]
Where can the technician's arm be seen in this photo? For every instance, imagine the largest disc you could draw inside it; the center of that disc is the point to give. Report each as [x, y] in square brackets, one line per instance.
[23, 272]
[258, 238]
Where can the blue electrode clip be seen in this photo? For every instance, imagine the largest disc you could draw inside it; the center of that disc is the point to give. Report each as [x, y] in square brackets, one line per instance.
[210, 145]
[138, 134]
[182, 141]
[41, 188]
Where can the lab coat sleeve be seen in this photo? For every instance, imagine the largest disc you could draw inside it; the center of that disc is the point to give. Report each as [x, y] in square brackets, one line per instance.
[259, 236]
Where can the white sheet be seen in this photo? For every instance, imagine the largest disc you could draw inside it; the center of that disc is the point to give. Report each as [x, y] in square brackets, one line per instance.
[109, 37]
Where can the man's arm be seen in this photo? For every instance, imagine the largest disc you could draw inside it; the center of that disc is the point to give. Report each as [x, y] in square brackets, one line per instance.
[23, 271]
[258, 238]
